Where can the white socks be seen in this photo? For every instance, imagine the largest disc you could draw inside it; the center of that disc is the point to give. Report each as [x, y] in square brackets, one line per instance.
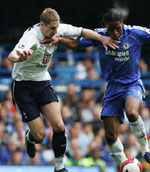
[59, 163]
[138, 129]
[116, 151]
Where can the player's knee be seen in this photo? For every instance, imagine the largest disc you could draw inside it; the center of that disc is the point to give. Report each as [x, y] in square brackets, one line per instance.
[39, 136]
[59, 127]
[111, 138]
[132, 115]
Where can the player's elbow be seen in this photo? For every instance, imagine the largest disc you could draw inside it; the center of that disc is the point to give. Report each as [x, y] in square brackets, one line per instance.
[13, 57]
[10, 57]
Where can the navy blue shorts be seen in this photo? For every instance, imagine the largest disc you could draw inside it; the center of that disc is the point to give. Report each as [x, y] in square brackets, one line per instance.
[29, 96]
[115, 95]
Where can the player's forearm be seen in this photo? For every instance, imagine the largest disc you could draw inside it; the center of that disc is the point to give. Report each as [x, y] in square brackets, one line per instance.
[17, 56]
[68, 42]
[89, 34]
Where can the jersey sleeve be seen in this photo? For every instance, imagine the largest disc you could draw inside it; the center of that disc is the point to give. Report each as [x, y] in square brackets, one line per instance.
[142, 33]
[69, 31]
[83, 42]
[26, 42]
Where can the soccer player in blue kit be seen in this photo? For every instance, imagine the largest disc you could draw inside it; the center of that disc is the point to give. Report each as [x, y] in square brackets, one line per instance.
[125, 90]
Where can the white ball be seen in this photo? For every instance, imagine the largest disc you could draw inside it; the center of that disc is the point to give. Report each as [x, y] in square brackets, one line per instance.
[131, 165]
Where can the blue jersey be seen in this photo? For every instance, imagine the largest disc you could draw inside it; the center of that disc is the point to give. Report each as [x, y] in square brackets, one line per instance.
[121, 65]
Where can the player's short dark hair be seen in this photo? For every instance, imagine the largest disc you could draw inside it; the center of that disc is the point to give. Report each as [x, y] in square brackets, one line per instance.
[112, 15]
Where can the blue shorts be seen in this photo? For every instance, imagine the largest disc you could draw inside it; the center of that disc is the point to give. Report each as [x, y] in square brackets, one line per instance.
[29, 96]
[115, 95]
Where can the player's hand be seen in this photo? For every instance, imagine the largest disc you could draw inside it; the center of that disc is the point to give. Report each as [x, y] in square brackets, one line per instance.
[24, 55]
[45, 41]
[52, 41]
[108, 41]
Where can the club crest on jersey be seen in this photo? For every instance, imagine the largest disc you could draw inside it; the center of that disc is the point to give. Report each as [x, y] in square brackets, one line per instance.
[42, 46]
[125, 45]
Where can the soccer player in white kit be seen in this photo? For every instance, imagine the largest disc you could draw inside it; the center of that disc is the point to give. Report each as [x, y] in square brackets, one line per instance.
[31, 89]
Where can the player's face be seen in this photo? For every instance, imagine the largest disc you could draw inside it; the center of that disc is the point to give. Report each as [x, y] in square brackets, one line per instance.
[49, 30]
[115, 29]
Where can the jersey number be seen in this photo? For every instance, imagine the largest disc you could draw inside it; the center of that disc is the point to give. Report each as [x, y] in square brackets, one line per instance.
[46, 58]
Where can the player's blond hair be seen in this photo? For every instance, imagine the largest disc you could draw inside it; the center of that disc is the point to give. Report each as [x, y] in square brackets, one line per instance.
[49, 15]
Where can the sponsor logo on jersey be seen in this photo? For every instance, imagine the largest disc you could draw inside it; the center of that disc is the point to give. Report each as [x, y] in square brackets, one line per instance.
[46, 58]
[41, 66]
[122, 59]
[117, 53]
[121, 56]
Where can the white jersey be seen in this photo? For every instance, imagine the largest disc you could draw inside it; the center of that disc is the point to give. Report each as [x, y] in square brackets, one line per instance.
[35, 68]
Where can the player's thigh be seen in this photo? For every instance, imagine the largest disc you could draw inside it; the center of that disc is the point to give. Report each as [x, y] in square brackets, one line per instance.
[132, 106]
[37, 128]
[53, 115]
[133, 98]
[111, 126]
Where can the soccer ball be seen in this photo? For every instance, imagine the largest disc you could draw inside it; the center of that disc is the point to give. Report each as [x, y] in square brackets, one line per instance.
[131, 165]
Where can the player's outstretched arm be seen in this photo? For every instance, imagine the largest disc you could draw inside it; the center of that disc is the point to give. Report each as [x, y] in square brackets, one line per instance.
[17, 56]
[106, 41]
[67, 42]
[86, 33]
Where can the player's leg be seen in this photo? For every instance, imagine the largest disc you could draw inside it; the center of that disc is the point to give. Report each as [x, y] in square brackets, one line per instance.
[111, 126]
[25, 102]
[113, 114]
[132, 106]
[35, 134]
[53, 115]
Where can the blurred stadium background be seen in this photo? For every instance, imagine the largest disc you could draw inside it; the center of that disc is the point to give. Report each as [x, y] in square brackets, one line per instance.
[77, 79]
